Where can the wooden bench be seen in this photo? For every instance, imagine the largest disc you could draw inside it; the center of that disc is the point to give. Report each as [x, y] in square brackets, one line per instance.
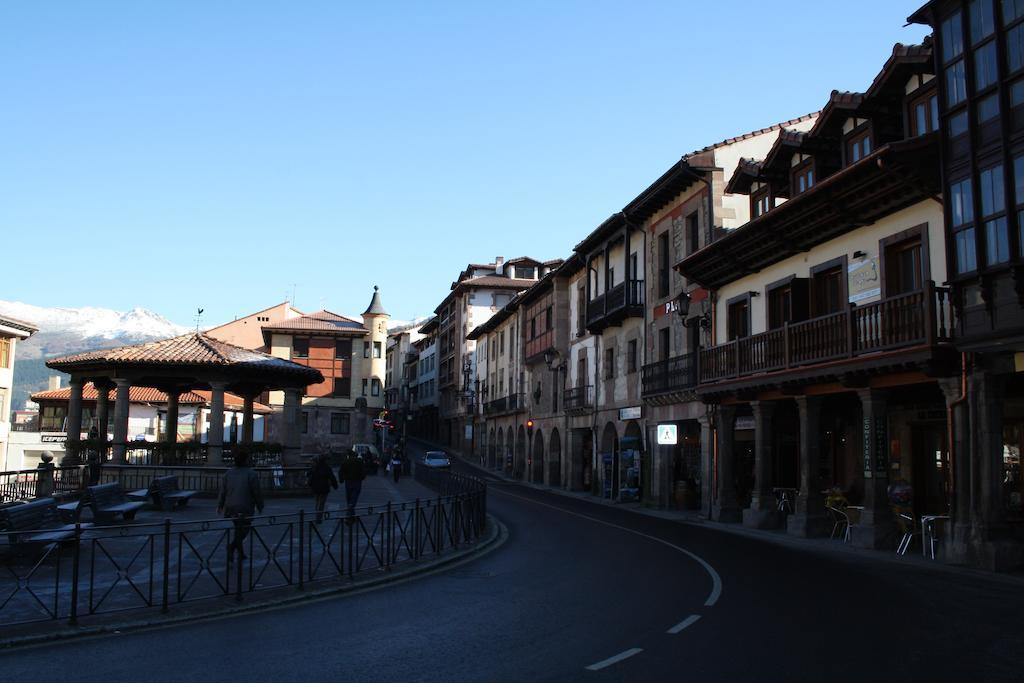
[36, 522]
[109, 500]
[165, 493]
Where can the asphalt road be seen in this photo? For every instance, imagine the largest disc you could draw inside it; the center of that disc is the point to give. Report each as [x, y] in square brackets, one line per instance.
[587, 592]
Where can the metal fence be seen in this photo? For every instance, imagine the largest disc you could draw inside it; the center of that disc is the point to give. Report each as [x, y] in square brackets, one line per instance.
[162, 565]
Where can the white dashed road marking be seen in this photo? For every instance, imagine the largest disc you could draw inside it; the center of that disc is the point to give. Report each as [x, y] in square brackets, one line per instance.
[604, 663]
[688, 621]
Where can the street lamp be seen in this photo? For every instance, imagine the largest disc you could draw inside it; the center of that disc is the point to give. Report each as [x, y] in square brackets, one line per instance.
[682, 306]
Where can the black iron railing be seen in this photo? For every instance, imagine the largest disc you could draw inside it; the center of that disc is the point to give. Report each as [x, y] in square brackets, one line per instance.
[672, 374]
[23, 485]
[578, 398]
[163, 565]
[505, 404]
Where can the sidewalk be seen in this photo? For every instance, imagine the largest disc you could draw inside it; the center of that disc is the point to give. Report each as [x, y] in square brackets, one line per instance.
[828, 546]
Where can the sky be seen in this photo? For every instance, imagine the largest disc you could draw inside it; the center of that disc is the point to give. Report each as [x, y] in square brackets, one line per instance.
[229, 154]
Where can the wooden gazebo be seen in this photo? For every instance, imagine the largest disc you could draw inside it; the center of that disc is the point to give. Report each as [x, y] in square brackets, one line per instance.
[178, 365]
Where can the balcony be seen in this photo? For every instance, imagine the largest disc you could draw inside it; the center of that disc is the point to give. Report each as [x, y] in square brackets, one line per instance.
[918, 319]
[513, 403]
[611, 308]
[670, 375]
[535, 348]
[578, 399]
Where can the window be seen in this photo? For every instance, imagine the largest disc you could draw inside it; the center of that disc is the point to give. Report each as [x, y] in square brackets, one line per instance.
[5, 352]
[581, 311]
[1015, 48]
[366, 349]
[988, 108]
[665, 343]
[780, 307]
[377, 349]
[982, 20]
[303, 423]
[985, 70]
[533, 328]
[663, 265]
[634, 267]
[738, 320]
[858, 145]
[526, 273]
[611, 278]
[1018, 197]
[52, 418]
[828, 288]
[501, 343]
[993, 211]
[549, 318]
[956, 84]
[952, 32]
[340, 423]
[760, 202]
[501, 382]
[903, 267]
[1012, 10]
[803, 177]
[300, 347]
[609, 363]
[342, 387]
[693, 231]
[343, 349]
[961, 209]
[365, 384]
[924, 114]
[631, 356]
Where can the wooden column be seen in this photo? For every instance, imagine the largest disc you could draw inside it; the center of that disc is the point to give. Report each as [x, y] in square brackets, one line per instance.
[247, 426]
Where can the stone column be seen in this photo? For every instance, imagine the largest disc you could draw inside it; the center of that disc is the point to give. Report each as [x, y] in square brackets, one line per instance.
[876, 523]
[726, 508]
[707, 459]
[292, 438]
[809, 517]
[121, 402]
[73, 429]
[171, 436]
[215, 433]
[247, 427]
[102, 409]
[763, 512]
[958, 531]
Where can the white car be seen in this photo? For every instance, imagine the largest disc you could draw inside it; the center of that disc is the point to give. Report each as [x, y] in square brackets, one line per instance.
[436, 460]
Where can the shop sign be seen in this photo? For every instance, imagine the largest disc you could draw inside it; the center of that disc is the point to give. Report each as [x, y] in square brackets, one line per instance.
[876, 443]
[631, 413]
[53, 438]
[744, 422]
[863, 280]
[668, 435]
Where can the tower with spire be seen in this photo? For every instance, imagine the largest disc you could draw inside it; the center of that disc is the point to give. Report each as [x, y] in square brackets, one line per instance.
[375, 319]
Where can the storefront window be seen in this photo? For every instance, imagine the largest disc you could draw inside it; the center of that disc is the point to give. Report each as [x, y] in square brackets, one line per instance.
[1013, 484]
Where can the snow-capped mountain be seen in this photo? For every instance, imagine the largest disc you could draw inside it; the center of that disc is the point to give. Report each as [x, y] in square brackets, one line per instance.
[137, 324]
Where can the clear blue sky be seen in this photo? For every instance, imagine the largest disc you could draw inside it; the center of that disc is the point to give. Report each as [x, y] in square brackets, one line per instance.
[181, 154]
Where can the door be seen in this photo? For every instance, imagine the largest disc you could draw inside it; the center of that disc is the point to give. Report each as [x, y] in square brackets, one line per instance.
[930, 469]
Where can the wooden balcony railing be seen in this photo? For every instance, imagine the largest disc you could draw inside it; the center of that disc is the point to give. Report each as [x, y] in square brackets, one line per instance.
[625, 298]
[578, 398]
[673, 374]
[539, 344]
[918, 318]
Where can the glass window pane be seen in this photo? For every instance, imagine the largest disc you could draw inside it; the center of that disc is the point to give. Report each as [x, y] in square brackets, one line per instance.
[952, 37]
[1017, 92]
[1020, 232]
[982, 21]
[988, 108]
[997, 242]
[966, 259]
[958, 124]
[961, 203]
[992, 194]
[956, 84]
[985, 66]
[1018, 176]
[933, 104]
[1015, 48]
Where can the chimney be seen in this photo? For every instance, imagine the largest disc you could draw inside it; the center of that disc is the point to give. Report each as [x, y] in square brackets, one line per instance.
[53, 382]
[499, 265]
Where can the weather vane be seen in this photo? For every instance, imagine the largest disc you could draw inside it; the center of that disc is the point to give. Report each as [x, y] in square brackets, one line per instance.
[199, 316]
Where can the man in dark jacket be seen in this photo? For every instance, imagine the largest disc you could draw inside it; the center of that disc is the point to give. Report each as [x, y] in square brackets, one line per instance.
[352, 471]
[321, 480]
[240, 497]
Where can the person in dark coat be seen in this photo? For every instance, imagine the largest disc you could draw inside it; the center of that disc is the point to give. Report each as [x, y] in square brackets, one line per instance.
[395, 465]
[321, 480]
[352, 471]
[240, 497]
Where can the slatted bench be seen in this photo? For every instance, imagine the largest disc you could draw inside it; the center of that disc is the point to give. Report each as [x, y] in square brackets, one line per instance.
[108, 501]
[36, 522]
[165, 493]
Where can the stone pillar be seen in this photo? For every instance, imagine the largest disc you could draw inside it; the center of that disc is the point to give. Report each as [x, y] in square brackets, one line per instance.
[73, 428]
[809, 517]
[292, 438]
[958, 530]
[102, 409]
[215, 433]
[247, 427]
[876, 526]
[763, 512]
[171, 435]
[121, 403]
[726, 508]
[707, 459]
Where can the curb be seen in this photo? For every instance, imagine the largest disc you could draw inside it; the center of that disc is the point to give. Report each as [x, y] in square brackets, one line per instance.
[496, 537]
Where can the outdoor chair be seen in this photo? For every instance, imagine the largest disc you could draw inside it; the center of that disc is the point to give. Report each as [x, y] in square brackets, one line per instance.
[906, 525]
[839, 522]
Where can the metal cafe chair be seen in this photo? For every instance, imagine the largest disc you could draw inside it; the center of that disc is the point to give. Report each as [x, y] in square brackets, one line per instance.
[840, 523]
[906, 523]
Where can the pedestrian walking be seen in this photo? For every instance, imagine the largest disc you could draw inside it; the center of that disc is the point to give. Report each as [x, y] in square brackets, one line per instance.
[321, 481]
[395, 466]
[240, 497]
[352, 471]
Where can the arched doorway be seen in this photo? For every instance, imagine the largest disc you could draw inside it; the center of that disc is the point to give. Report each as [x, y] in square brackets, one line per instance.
[506, 458]
[609, 455]
[537, 459]
[555, 459]
[491, 449]
[519, 468]
[632, 464]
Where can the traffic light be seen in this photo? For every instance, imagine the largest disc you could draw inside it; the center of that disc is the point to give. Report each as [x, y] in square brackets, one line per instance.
[529, 424]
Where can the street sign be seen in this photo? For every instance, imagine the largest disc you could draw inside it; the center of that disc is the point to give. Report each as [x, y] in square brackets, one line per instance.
[668, 435]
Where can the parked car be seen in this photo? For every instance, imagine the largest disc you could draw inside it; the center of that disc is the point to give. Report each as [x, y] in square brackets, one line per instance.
[436, 460]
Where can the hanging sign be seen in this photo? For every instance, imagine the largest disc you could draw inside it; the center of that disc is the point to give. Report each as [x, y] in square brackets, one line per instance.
[631, 413]
[668, 435]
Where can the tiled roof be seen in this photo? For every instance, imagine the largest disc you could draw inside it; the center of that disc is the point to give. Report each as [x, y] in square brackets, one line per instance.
[753, 133]
[193, 349]
[375, 307]
[495, 281]
[148, 395]
[321, 321]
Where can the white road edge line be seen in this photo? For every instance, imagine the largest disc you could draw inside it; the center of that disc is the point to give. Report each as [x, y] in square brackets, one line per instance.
[716, 580]
[688, 621]
[605, 663]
